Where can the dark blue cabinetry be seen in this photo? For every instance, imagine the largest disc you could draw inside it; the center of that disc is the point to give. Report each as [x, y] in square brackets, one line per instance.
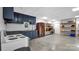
[8, 14]
[34, 34]
[20, 18]
[32, 20]
[31, 34]
[14, 17]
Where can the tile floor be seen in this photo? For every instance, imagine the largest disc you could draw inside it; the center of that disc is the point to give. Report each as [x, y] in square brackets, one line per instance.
[55, 42]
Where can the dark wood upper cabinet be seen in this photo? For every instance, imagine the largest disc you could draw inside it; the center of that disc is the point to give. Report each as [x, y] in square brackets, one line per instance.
[8, 14]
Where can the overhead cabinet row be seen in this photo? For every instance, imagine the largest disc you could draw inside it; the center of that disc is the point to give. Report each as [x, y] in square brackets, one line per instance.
[21, 18]
[13, 17]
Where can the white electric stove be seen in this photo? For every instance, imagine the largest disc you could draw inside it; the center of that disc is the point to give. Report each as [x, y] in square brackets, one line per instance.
[14, 42]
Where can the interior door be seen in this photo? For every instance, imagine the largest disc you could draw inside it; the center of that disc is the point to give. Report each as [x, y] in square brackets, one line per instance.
[40, 29]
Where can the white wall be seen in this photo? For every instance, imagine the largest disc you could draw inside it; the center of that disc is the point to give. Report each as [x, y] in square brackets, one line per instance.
[77, 27]
[2, 26]
[19, 27]
[56, 26]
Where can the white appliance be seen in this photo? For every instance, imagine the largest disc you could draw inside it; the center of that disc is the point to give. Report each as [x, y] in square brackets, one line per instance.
[14, 42]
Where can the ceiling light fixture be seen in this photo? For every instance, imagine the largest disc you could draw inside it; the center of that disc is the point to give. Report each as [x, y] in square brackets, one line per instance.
[75, 9]
[53, 20]
[50, 22]
[44, 17]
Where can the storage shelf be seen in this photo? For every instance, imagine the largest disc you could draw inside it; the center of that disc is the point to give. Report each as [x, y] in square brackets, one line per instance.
[68, 28]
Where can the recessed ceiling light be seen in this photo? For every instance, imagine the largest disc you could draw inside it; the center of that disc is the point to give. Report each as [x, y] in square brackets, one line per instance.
[75, 9]
[53, 20]
[40, 21]
[49, 22]
[44, 17]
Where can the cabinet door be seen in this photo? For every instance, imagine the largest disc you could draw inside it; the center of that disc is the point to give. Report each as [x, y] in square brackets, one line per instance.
[21, 18]
[34, 34]
[18, 18]
[28, 34]
[32, 20]
[15, 17]
[25, 18]
[8, 14]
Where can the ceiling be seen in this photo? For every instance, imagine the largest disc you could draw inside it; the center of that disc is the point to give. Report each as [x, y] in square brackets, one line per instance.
[57, 13]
